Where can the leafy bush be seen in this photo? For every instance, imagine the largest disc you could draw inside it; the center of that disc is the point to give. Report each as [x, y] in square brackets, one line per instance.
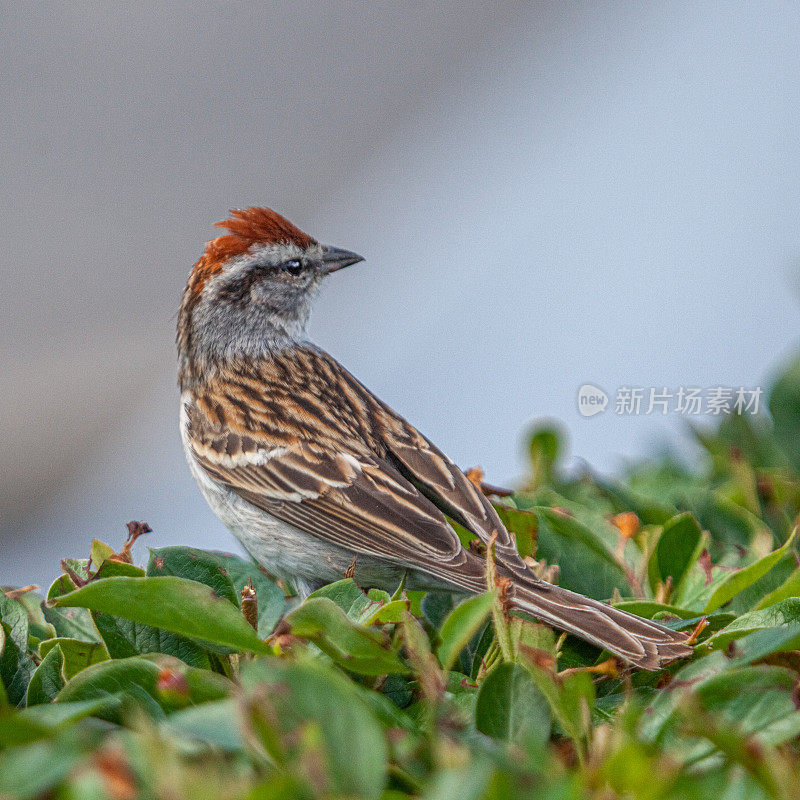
[196, 677]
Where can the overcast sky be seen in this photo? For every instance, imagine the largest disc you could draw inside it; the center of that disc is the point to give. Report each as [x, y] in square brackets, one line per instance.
[547, 195]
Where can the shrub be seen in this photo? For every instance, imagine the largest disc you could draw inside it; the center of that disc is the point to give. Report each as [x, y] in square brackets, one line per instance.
[196, 677]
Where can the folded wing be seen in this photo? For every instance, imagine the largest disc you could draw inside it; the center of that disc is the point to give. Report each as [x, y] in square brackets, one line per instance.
[357, 502]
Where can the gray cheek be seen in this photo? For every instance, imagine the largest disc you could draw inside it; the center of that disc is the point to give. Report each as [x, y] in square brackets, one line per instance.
[282, 297]
[257, 293]
[266, 294]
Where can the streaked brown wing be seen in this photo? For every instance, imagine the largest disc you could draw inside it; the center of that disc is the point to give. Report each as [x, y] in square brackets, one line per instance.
[303, 398]
[442, 482]
[417, 459]
[297, 436]
[357, 502]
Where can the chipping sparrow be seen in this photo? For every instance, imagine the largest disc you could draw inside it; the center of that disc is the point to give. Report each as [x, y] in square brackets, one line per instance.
[309, 469]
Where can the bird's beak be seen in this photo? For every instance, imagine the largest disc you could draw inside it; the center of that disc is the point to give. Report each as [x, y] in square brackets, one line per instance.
[334, 258]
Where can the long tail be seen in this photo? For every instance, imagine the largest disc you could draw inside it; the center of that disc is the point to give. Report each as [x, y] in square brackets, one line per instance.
[638, 641]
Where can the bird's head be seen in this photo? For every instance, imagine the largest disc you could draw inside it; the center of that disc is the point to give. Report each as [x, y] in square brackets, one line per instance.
[250, 291]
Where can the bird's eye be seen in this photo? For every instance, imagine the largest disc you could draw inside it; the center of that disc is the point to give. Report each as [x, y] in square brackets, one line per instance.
[293, 267]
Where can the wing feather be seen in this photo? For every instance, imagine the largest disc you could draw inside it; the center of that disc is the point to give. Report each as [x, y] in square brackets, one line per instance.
[439, 479]
[298, 437]
[358, 502]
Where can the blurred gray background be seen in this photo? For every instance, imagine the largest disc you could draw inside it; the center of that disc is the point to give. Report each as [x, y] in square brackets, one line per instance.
[547, 194]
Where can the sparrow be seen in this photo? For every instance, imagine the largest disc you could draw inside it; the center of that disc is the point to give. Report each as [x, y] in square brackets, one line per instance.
[313, 473]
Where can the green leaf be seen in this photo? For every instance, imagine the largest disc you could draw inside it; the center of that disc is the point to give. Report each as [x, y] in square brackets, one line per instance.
[761, 643]
[649, 609]
[462, 696]
[528, 636]
[650, 511]
[71, 623]
[784, 406]
[382, 596]
[51, 716]
[30, 771]
[137, 679]
[37, 624]
[124, 638]
[782, 614]
[48, 679]
[424, 665]
[737, 581]
[367, 608]
[350, 598]
[713, 715]
[343, 739]
[511, 708]
[523, 524]
[728, 522]
[113, 569]
[173, 604]
[436, 605]
[386, 705]
[16, 730]
[15, 621]
[356, 647]
[99, 552]
[64, 584]
[77, 655]
[789, 588]
[586, 564]
[392, 613]
[195, 565]
[570, 697]
[678, 547]
[545, 447]
[478, 650]
[751, 597]
[270, 597]
[660, 712]
[239, 571]
[16, 666]
[463, 622]
[469, 782]
[754, 700]
[216, 724]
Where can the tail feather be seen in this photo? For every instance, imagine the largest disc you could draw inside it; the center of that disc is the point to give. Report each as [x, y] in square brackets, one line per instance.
[638, 641]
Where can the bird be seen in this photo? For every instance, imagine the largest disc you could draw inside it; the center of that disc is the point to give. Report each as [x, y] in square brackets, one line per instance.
[316, 476]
